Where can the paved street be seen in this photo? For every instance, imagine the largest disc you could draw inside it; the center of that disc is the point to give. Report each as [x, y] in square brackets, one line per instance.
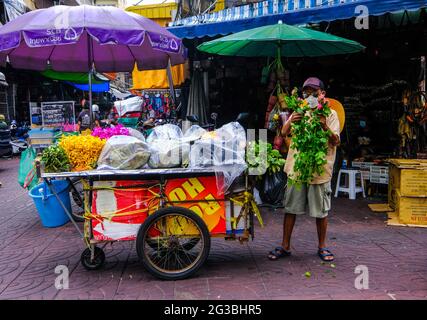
[396, 258]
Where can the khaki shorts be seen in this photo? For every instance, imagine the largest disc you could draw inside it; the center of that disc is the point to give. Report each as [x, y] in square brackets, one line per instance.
[316, 196]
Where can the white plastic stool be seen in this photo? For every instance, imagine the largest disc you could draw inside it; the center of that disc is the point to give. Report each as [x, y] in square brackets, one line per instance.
[352, 189]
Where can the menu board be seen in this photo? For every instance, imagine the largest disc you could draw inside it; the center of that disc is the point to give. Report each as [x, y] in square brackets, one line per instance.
[57, 113]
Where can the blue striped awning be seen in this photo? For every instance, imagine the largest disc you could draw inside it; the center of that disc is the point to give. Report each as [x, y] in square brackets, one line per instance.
[294, 12]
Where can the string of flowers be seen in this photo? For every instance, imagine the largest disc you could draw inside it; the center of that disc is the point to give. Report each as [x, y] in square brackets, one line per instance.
[308, 139]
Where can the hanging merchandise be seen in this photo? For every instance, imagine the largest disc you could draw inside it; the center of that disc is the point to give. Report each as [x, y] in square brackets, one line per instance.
[157, 104]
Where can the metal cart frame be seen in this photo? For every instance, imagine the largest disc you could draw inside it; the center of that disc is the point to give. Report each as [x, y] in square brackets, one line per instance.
[93, 256]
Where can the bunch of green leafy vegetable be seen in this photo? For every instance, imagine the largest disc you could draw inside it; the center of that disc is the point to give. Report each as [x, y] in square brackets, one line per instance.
[55, 159]
[262, 157]
[308, 139]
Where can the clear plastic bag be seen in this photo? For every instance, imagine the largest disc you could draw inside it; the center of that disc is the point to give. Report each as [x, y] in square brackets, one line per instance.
[165, 132]
[168, 148]
[135, 133]
[194, 133]
[222, 150]
[124, 153]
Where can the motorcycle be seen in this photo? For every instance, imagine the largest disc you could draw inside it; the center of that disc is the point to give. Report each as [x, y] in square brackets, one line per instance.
[19, 136]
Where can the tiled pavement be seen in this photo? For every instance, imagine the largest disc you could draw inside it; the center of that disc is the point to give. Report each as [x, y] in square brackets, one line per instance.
[396, 258]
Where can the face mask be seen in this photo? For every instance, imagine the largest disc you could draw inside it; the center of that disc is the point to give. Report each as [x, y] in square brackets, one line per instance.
[312, 102]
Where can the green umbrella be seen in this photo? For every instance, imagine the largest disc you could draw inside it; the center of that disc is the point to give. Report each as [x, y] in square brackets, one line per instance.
[280, 39]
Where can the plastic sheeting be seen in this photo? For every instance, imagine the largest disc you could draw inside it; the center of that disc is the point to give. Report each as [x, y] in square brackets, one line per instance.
[222, 150]
[133, 104]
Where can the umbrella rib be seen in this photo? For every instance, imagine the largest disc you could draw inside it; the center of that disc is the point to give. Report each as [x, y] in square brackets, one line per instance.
[314, 43]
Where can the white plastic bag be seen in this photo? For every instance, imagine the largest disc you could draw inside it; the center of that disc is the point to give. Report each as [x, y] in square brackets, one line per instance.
[124, 153]
[168, 149]
[135, 133]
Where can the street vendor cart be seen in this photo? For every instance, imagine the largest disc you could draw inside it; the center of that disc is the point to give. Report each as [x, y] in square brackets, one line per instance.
[171, 213]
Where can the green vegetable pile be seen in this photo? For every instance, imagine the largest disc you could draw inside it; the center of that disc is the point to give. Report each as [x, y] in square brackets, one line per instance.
[55, 159]
[309, 139]
[257, 152]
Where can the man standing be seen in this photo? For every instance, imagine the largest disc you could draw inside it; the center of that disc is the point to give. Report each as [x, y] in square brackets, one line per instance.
[316, 196]
[83, 120]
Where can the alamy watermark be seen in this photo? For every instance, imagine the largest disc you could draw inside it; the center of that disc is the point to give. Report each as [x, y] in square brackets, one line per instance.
[362, 280]
[62, 281]
[362, 17]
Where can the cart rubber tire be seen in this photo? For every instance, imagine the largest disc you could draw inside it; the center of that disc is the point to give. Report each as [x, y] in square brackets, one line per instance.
[145, 228]
[77, 217]
[98, 261]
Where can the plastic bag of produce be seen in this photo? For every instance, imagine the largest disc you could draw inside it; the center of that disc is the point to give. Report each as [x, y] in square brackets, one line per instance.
[194, 133]
[135, 133]
[124, 153]
[168, 153]
[168, 148]
[222, 150]
[165, 132]
[225, 146]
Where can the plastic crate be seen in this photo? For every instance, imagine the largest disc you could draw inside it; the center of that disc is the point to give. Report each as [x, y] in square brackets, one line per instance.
[379, 174]
[366, 174]
[362, 165]
[379, 170]
[379, 180]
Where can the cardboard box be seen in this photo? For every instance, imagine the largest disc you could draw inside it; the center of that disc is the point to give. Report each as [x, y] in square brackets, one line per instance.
[411, 210]
[409, 176]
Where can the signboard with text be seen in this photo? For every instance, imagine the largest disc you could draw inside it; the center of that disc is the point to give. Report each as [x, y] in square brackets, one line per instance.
[57, 113]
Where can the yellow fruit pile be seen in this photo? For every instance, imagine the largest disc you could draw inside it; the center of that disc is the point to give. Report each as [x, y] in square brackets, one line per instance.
[83, 151]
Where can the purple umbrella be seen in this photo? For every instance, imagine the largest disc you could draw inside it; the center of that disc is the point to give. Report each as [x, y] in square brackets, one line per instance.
[87, 38]
[74, 39]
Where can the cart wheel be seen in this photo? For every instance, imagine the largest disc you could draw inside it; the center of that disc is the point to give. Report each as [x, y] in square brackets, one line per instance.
[187, 244]
[77, 196]
[173, 243]
[98, 261]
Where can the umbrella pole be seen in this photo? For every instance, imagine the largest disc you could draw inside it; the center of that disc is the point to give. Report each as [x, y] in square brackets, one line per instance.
[90, 95]
[90, 62]
[170, 80]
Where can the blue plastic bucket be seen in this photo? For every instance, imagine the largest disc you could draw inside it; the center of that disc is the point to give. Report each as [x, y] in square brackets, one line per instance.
[50, 210]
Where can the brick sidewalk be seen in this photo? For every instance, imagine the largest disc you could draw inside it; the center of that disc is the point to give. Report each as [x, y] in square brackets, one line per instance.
[396, 258]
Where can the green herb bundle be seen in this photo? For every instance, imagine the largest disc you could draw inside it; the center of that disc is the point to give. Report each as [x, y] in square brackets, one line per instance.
[55, 159]
[256, 154]
[308, 139]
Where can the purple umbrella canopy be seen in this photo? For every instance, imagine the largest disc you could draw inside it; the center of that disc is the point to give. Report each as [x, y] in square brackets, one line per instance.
[73, 39]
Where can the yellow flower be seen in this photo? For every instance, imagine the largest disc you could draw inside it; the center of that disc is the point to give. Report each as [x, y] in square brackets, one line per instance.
[83, 151]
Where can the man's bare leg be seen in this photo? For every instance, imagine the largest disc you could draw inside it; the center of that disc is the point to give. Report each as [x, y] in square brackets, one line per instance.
[322, 226]
[288, 227]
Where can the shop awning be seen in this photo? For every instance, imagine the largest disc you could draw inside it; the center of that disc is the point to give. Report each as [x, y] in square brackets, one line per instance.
[294, 12]
[96, 87]
[75, 77]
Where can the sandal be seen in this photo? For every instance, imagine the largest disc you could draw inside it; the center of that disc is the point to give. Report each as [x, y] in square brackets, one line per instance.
[325, 252]
[277, 253]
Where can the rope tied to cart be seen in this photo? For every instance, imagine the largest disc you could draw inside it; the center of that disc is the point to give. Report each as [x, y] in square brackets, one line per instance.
[247, 201]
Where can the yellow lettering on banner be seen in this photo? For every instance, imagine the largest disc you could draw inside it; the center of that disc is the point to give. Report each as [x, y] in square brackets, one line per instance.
[177, 194]
[193, 187]
[196, 209]
[210, 207]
